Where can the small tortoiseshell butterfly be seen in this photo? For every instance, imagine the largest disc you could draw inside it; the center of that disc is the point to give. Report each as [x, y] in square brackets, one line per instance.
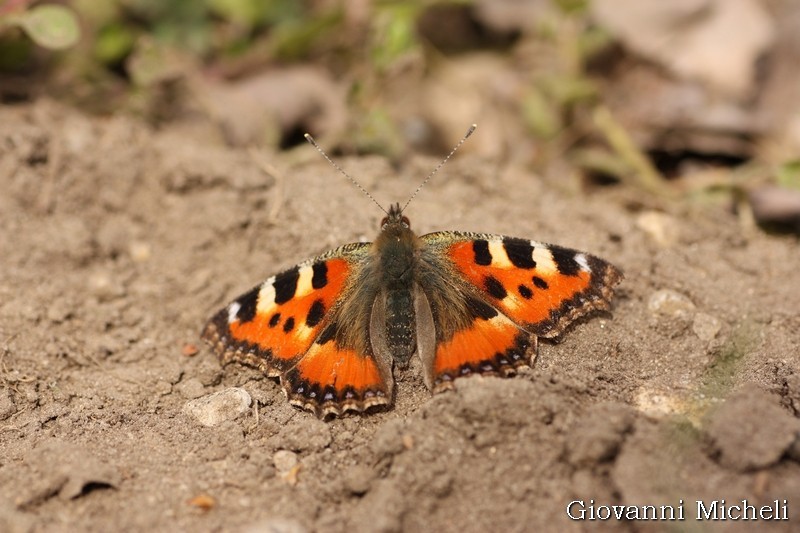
[466, 303]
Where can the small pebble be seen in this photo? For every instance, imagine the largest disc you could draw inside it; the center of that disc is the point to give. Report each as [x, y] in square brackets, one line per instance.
[140, 251]
[662, 229]
[671, 303]
[104, 288]
[190, 350]
[706, 326]
[284, 460]
[213, 409]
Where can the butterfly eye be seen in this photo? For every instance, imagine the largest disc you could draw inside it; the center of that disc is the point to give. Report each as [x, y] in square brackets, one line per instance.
[405, 222]
[384, 222]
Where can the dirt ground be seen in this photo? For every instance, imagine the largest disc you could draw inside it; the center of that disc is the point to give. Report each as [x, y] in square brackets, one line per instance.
[118, 243]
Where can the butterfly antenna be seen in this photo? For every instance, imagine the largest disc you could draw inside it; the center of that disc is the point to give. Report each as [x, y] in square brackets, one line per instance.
[310, 139]
[440, 165]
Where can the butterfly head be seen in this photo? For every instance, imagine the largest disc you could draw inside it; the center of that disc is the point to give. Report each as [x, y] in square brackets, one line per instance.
[395, 217]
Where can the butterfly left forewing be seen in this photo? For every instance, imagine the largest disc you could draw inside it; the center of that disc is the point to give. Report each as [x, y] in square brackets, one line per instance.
[273, 324]
[296, 325]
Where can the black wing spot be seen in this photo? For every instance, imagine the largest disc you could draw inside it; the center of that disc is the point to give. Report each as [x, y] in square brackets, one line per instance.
[315, 314]
[480, 309]
[320, 277]
[286, 285]
[288, 325]
[519, 252]
[494, 287]
[274, 319]
[247, 305]
[565, 260]
[525, 292]
[540, 283]
[482, 254]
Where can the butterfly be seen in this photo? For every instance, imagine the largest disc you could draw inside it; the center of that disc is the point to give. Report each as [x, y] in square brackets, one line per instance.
[332, 328]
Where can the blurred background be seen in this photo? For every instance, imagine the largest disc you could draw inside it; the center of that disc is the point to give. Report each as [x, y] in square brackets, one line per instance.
[690, 100]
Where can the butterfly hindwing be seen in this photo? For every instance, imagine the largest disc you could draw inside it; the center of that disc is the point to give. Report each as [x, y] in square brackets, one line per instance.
[292, 326]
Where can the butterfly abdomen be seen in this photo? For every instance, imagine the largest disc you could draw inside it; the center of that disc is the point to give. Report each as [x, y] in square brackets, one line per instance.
[400, 332]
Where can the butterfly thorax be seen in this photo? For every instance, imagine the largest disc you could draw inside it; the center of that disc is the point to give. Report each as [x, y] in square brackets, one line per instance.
[397, 250]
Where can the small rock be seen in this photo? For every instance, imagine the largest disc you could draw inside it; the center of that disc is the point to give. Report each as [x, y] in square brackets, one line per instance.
[104, 288]
[662, 229]
[189, 349]
[284, 460]
[213, 409]
[706, 326]
[671, 303]
[140, 252]
[203, 502]
[750, 430]
[657, 402]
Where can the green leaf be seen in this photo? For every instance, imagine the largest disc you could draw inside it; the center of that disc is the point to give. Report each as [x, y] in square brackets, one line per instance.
[247, 12]
[394, 33]
[789, 174]
[50, 26]
[113, 43]
[539, 114]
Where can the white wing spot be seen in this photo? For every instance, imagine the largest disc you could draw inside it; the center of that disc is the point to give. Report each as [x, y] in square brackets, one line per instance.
[499, 255]
[233, 310]
[304, 287]
[544, 259]
[266, 297]
[583, 262]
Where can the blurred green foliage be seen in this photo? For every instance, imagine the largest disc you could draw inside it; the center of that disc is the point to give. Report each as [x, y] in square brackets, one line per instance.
[50, 26]
[136, 54]
[788, 175]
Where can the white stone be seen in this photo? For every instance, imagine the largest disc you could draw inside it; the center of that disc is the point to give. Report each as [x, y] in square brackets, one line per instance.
[213, 409]
[668, 302]
[706, 326]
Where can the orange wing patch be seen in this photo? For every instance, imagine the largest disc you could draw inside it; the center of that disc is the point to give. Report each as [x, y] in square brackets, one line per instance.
[541, 287]
[330, 380]
[490, 345]
[274, 324]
